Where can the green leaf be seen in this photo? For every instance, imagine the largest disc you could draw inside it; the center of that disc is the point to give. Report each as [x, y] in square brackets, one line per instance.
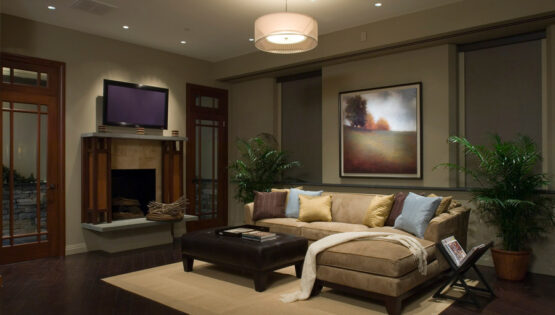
[507, 194]
[260, 166]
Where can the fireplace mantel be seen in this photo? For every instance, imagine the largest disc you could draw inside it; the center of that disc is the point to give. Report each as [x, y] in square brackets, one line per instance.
[131, 136]
[100, 155]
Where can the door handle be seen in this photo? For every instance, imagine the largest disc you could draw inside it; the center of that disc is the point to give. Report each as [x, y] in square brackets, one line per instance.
[52, 186]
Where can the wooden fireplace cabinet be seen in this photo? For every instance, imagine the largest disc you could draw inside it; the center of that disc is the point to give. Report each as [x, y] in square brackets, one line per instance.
[96, 178]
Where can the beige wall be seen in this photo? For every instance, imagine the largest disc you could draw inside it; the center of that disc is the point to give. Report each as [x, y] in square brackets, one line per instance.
[425, 24]
[436, 68]
[251, 111]
[253, 108]
[429, 66]
[90, 59]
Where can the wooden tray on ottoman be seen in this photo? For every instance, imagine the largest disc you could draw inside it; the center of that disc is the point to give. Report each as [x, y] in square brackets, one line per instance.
[258, 258]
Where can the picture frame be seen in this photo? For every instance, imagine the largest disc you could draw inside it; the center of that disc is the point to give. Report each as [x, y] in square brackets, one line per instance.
[381, 132]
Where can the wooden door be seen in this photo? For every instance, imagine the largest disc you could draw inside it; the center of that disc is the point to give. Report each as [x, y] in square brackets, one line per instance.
[32, 224]
[206, 156]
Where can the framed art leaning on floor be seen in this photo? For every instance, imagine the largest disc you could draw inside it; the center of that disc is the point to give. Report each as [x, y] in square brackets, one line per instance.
[381, 132]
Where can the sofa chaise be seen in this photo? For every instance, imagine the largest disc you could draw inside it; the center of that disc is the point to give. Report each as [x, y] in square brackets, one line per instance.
[372, 268]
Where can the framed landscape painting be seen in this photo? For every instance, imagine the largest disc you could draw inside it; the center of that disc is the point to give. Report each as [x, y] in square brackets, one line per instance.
[381, 132]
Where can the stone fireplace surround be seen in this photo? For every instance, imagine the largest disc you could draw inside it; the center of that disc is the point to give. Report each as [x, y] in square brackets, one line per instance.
[104, 152]
[128, 151]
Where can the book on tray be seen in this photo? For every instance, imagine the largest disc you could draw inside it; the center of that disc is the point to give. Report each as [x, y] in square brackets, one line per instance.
[259, 236]
[456, 252]
[239, 230]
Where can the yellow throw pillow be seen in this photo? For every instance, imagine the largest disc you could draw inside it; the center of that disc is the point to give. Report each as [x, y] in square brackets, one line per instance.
[443, 205]
[378, 210]
[314, 208]
[454, 204]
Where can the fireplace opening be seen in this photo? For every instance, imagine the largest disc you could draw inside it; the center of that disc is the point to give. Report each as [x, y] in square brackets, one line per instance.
[132, 190]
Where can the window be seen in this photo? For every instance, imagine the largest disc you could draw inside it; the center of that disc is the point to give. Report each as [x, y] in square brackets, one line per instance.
[503, 92]
[301, 120]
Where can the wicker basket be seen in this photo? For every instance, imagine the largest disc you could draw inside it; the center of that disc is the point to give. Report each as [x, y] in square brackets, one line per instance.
[174, 211]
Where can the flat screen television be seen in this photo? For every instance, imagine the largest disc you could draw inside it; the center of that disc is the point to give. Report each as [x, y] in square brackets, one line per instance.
[135, 105]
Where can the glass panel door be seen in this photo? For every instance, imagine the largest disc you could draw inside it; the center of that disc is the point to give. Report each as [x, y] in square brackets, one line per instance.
[206, 166]
[24, 173]
[32, 220]
[206, 156]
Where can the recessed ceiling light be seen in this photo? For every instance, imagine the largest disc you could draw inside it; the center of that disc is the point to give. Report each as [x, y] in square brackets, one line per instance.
[251, 39]
[125, 27]
[51, 7]
[183, 42]
[378, 4]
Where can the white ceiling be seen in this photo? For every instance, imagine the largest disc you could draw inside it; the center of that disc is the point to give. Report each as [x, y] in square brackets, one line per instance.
[214, 29]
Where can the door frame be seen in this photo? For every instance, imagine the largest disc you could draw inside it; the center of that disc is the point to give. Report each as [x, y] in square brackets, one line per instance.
[192, 113]
[58, 91]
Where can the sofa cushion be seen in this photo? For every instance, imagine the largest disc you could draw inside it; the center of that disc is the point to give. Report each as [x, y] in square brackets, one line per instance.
[378, 211]
[443, 205]
[349, 208]
[417, 213]
[269, 205]
[292, 208]
[317, 230]
[283, 225]
[375, 257]
[396, 209]
[314, 208]
[285, 190]
[377, 283]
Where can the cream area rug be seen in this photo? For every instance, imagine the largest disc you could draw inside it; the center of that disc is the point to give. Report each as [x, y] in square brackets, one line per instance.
[211, 289]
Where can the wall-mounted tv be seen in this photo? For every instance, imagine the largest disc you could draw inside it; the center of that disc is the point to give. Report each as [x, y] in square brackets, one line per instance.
[135, 105]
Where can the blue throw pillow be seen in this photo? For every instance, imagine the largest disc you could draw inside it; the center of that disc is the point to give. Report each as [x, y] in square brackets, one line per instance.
[292, 209]
[417, 213]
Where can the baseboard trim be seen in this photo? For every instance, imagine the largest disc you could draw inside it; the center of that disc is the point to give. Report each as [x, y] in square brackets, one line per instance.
[76, 248]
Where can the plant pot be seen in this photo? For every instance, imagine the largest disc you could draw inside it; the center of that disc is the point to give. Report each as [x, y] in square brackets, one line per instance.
[510, 265]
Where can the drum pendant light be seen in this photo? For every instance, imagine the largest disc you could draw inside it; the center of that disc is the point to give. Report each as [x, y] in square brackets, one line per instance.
[285, 32]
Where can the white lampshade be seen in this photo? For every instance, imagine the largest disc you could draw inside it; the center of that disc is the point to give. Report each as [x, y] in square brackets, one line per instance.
[285, 33]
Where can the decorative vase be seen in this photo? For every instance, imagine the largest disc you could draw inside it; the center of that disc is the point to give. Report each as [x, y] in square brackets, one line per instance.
[510, 265]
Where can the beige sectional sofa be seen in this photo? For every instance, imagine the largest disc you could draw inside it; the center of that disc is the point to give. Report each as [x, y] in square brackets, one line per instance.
[377, 269]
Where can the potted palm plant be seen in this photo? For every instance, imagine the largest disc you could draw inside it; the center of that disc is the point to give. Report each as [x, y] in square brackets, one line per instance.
[260, 167]
[508, 197]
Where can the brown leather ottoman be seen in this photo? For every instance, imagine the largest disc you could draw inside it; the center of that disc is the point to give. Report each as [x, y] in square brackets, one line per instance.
[258, 258]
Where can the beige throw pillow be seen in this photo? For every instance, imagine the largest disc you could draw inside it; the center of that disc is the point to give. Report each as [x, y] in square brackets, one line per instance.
[443, 205]
[378, 211]
[314, 208]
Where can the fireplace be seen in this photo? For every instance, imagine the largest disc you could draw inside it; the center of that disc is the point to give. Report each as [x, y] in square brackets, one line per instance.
[132, 190]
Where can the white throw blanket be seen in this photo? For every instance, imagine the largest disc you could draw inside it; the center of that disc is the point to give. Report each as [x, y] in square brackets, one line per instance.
[309, 266]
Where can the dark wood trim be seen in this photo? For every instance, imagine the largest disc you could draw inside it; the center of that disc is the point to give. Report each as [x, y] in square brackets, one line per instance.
[299, 76]
[170, 151]
[220, 115]
[93, 147]
[62, 158]
[52, 95]
[37, 165]
[509, 40]
[530, 23]
[1, 176]
[11, 176]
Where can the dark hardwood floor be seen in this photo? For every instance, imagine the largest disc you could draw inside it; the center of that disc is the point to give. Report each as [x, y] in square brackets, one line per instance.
[72, 285]
[534, 295]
